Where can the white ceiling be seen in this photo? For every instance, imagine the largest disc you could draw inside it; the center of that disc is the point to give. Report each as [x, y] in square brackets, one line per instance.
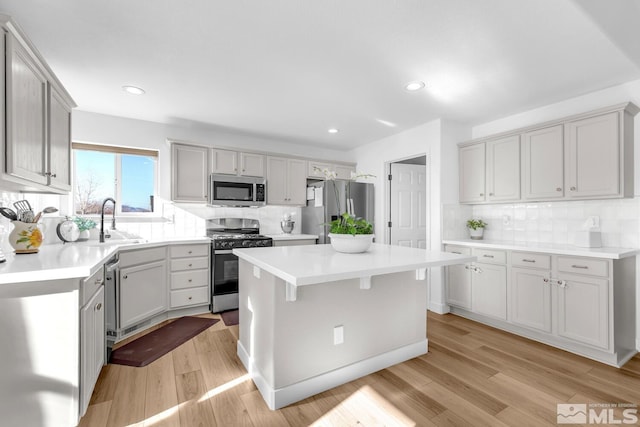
[291, 69]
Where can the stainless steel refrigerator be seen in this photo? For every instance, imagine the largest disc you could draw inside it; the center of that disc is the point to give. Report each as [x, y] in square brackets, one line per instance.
[322, 207]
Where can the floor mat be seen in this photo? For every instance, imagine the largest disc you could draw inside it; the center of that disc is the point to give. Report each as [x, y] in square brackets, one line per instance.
[230, 318]
[157, 343]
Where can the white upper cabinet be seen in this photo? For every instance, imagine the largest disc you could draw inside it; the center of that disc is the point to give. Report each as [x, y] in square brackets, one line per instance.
[342, 171]
[472, 173]
[189, 172]
[543, 164]
[503, 169]
[594, 157]
[237, 163]
[587, 156]
[224, 161]
[286, 181]
[37, 119]
[251, 164]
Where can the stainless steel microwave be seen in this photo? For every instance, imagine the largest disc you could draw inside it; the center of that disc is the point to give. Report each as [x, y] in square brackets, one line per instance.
[227, 190]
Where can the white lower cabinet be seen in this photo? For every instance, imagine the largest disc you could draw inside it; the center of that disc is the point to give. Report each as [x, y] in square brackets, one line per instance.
[189, 276]
[581, 304]
[583, 310]
[92, 335]
[142, 285]
[531, 298]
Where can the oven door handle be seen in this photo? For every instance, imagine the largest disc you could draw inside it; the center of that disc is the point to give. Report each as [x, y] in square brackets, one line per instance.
[226, 251]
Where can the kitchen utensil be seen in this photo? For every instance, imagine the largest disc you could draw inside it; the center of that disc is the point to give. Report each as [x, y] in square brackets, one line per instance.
[49, 209]
[28, 216]
[37, 217]
[287, 226]
[8, 213]
[23, 205]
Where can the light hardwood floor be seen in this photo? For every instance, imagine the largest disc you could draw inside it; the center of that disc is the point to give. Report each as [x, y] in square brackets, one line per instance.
[473, 375]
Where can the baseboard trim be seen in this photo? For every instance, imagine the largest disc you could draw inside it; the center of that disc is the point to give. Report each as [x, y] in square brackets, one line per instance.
[638, 344]
[278, 398]
[438, 307]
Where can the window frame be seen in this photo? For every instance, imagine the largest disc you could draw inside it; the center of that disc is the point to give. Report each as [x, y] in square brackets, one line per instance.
[117, 151]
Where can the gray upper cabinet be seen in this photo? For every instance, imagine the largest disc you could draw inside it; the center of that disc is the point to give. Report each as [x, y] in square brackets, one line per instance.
[543, 164]
[189, 173]
[503, 169]
[230, 162]
[587, 156]
[37, 119]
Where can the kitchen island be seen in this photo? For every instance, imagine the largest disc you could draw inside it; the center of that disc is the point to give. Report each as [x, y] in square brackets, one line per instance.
[312, 318]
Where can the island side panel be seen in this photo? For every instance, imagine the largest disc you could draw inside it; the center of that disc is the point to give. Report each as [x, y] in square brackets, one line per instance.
[390, 315]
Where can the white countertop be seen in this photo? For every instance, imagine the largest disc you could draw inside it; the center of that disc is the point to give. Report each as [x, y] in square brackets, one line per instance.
[72, 260]
[549, 248]
[307, 265]
[285, 236]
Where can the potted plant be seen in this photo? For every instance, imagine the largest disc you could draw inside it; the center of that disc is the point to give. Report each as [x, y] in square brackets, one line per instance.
[476, 228]
[348, 233]
[84, 225]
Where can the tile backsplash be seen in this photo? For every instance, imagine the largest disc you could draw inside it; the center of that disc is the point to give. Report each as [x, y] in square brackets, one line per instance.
[549, 222]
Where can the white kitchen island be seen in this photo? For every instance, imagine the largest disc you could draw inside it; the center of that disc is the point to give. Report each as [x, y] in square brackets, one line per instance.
[312, 318]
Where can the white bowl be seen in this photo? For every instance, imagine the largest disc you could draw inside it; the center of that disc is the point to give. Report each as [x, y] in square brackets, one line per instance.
[350, 244]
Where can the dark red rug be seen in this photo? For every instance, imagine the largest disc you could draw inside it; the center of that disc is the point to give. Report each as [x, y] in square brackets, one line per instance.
[157, 343]
[230, 318]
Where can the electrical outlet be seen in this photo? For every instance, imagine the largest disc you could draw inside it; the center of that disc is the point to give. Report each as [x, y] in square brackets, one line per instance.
[338, 335]
[506, 220]
[593, 221]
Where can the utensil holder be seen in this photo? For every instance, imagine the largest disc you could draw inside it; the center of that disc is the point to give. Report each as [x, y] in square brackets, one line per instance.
[25, 238]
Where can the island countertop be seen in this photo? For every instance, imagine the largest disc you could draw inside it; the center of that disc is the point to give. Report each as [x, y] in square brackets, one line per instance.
[307, 265]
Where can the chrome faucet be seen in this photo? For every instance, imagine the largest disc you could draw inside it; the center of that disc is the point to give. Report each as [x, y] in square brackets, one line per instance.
[113, 221]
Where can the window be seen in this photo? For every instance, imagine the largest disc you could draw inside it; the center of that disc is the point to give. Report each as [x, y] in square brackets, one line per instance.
[124, 174]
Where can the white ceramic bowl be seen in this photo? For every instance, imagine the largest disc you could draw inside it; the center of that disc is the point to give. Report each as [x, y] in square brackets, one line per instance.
[350, 244]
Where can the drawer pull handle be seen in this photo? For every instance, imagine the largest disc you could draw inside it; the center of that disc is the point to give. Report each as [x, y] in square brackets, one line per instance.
[487, 256]
[190, 265]
[190, 252]
[545, 280]
[190, 298]
[190, 280]
[584, 267]
[573, 189]
[456, 252]
[99, 306]
[528, 260]
[559, 189]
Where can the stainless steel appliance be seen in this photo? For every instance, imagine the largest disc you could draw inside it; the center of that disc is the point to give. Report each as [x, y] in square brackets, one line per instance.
[111, 302]
[323, 208]
[227, 190]
[227, 234]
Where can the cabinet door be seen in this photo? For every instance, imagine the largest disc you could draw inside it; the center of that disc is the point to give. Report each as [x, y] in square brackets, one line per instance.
[59, 158]
[472, 173]
[26, 92]
[224, 161]
[315, 169]
[503, 169]
[583, 310]
[92, 346]
[297, 182]
[531, 298]
[344, 172]
[543, 164]
[459, 285]
[190, 172]
[277, 177]
[143, 292]
[251, 164]
[593, 166]
[489, 290]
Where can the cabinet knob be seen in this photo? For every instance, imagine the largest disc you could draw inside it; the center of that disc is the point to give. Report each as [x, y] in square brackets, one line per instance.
[99, 306]
[190, 265]
[190, 298]
[491, 194]
[190, 280]
[190, 252]
[481, 194]
[559, 189]
[573, 189]
[125, 276]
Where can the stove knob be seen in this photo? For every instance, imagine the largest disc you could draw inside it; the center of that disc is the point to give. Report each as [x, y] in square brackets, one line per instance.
[246, 243]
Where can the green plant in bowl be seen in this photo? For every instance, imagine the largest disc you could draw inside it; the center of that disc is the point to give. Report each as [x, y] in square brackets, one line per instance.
[84, 223]
[348, 224]
[474, 224]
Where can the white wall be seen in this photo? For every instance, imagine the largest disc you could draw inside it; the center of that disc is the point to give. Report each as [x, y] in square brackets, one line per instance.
[111, 130]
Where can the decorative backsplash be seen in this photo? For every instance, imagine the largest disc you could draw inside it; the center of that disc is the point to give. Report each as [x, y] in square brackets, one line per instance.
[549, 222]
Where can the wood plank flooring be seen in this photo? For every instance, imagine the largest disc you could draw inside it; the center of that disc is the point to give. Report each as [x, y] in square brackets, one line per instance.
[473, 375]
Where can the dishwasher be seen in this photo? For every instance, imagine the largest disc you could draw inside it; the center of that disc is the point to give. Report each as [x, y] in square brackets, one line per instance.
[111, 301]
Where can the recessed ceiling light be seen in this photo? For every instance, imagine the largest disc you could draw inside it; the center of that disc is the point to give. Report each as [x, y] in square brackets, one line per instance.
[386, 123]
[414, 86]
[333, 130]
[133, 90]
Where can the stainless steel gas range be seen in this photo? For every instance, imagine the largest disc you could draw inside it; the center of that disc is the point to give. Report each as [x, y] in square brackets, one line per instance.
[226, 234]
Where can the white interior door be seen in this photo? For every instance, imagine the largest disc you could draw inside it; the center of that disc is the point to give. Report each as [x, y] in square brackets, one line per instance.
[408, 200]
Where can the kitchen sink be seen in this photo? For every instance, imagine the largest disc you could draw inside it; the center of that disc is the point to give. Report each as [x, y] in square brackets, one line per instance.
[112, 242]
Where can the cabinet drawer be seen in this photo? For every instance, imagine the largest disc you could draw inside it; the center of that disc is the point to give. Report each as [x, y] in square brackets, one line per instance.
[490, 256]
[189, 279]
[183, 251]
[142, 256]
[189, 263]
[190, 296]
[91, 285]
[592, 267]
[531, 260]
[460, 250]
